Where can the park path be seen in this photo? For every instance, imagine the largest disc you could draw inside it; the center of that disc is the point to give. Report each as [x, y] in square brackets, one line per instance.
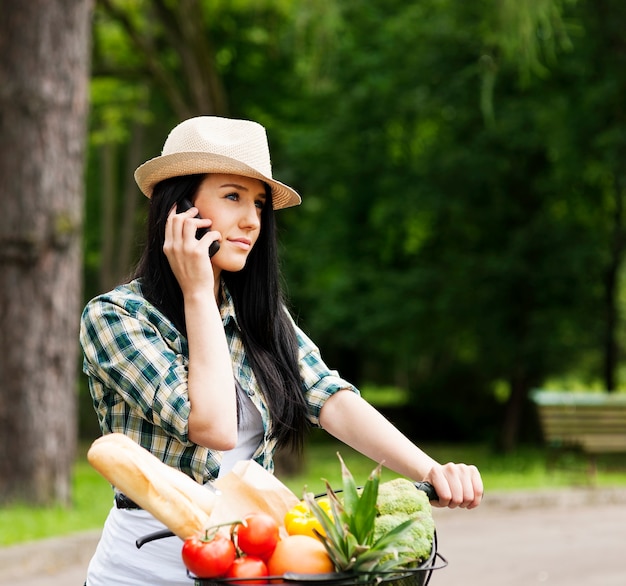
[581, 545]
[553, 538]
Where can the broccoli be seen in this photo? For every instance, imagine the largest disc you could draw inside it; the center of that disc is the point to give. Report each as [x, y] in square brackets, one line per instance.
[398, 500]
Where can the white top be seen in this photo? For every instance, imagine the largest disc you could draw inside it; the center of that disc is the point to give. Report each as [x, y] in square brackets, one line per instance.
[249, 433]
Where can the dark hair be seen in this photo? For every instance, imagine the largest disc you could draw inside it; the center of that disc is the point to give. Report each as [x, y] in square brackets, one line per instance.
[267, 333]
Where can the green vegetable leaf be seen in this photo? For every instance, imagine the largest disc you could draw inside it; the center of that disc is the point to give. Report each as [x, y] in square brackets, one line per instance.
[365, 514]
[350, 491]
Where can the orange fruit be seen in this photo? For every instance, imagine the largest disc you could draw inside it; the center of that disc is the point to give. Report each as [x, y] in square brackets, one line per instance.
[301, 554]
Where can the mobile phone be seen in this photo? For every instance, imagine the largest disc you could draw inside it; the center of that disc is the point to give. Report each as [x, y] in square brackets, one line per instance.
[183, 205]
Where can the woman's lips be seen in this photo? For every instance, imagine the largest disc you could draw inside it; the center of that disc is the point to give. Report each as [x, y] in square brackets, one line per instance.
[243, 243]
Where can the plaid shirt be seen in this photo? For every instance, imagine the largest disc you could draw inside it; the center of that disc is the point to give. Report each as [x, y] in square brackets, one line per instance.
[136, 362]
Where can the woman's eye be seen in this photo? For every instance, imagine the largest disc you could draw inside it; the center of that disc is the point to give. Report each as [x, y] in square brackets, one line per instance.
[234, 196]
[260, 203]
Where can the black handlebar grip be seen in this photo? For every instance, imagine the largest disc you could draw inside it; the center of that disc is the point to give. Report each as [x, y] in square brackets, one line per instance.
[429, 489]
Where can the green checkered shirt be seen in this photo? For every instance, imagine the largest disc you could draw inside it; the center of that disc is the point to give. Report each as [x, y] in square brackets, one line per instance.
[136, 363]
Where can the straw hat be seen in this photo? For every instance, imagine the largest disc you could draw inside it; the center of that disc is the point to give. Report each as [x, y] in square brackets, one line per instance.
[209, 144]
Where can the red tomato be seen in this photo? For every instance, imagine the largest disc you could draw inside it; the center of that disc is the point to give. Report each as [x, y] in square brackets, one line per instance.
[208, 558]
[258, 535]
[248, 567]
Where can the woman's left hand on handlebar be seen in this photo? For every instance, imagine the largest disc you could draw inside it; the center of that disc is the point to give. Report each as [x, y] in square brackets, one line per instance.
[457, 485]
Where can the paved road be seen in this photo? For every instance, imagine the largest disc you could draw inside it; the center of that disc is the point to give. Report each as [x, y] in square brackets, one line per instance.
[565, 538]
[584, 546]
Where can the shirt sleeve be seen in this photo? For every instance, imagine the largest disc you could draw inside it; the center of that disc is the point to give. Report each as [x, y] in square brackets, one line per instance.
[126, 350]
[319, 381]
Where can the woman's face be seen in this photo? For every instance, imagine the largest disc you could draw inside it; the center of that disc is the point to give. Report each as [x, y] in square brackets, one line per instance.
[234, 203]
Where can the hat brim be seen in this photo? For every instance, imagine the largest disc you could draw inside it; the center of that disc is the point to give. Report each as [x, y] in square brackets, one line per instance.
[191, 163]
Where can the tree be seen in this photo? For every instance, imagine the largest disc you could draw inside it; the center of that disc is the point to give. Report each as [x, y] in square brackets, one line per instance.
[43, 109]
[447, 219]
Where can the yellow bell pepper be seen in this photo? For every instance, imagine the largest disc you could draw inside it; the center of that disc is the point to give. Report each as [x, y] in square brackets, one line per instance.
[301, 521]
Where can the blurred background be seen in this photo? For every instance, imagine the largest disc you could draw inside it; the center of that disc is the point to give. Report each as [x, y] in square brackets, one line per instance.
[462, 167]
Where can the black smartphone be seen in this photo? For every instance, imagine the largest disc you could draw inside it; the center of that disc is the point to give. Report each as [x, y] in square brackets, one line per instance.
[183, 205]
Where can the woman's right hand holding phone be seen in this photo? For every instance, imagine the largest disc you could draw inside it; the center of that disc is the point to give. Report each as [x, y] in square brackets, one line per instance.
[187, 255]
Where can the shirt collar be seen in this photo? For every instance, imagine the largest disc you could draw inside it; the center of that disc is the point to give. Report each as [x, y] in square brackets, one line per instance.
[227, 306]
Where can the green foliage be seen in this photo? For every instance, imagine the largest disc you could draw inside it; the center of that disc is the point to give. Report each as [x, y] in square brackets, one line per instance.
[457, 251]
[531, 34]
[385, 396]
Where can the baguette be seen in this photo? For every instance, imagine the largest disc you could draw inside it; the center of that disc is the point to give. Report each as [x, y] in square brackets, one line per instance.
[172, 497]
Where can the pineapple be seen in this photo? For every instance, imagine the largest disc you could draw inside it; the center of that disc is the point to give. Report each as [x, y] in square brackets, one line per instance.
[350, 538]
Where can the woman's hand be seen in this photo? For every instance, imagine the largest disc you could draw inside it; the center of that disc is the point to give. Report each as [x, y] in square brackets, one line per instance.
[457, 485]
[188, 257]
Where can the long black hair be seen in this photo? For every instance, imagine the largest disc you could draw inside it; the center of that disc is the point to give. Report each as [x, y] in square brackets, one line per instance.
[267, 332]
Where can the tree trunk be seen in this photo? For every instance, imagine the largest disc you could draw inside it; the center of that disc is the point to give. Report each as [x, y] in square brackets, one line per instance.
[613, 38]
[107, 214]
[611, 316]
[131, 197]
[44, 75]
[118, 215]
[513, 415]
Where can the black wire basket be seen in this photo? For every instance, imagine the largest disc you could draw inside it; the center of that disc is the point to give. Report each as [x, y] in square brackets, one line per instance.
[418, 576]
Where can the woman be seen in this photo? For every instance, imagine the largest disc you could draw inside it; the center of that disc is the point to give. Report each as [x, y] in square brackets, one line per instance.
[197, 359]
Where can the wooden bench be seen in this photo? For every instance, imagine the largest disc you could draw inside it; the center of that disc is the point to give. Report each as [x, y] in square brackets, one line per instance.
[592, 422]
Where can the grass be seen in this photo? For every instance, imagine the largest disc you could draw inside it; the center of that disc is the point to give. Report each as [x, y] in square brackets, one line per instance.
[92, 499]
[523, 470]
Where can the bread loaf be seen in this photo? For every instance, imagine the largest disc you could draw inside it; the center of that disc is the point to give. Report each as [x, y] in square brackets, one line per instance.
[171, 496]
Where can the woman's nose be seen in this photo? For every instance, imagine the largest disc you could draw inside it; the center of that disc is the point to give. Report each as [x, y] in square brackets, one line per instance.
[251, 216]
